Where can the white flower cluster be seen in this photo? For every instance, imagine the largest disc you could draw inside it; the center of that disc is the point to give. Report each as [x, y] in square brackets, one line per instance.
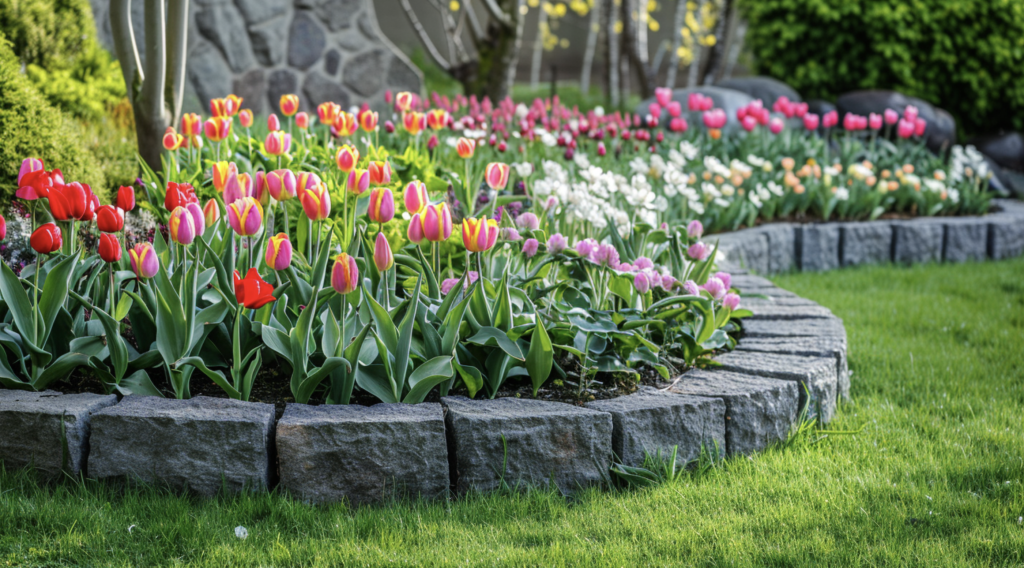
[967, 162]
[593, 197]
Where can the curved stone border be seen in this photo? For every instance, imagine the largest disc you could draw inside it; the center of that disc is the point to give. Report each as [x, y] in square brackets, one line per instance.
[790, 362]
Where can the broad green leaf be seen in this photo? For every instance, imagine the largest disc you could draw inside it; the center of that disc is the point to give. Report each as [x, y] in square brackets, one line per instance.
[471, 377]
[494, 337]
[426, 377]
[18, 302]
[540, 356]
[215, 376]
[385, 326]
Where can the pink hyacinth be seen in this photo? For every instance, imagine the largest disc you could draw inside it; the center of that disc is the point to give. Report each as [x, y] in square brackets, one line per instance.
[668, 282]
[606, 255]
[586, 247]
[644, 263]
[528, 222]
[726, 279]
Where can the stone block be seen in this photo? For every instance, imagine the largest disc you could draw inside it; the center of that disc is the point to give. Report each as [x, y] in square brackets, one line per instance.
[817, 377]
[526, 442]
[917, 241]
[820, 327]
[362, 454]
[834, 347]
[748, 248]
[818, 247]
[866, 242]
[745, 281]
[364, 73]
[203, 444]
[652, 421]
[965, 239]
[223, 25]
[773, 311]
[781, 246]
[1005, 235]
[269, 41]
[47, 430]
[306, 41]
[758, 411]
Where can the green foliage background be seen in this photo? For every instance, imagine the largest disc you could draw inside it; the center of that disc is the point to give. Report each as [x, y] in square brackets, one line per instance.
[965, 56]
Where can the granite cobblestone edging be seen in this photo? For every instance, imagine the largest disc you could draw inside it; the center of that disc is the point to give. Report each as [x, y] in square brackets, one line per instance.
[792, 358]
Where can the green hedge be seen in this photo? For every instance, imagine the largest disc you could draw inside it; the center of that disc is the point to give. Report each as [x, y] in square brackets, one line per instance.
[32, 127]
[966, 56]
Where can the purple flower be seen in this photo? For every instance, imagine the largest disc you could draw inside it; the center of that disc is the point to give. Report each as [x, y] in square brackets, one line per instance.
[654, 277]
[643, 263]
[695, 229]
[510, 234]
[606, 255]
[642, 283]
[715, 287]
[528, 221]
[731, 301]
[691, 288]
[552, 202]
[668, 282]
[557, 243]
[626, 267]
[698, 251]
[586, 247]
[726, 279]
[448, 284]
[530, 247]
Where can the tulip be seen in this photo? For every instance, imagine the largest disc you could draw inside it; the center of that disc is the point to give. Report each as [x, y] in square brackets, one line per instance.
[437, 222]
[389, 127]
[415, 196]
[920, 125]
[3, 228]
[109, 219]
[891, 116]
[601, 150]
[172, 140]
[830, 119]
[198, 217]
[698, 251]
[289, 104]
[905, 128]
[383, 259]
[642, 283]
[316, 202]
[305, 180]
[368, 120]
[245, 216]
[715, 288]
[328, 112]
[281, 184]
[181, 226]
[218, 108]
[910, 113]
[496, 175]
[233, 104]
[465, 148]
[749, 123]
[126, 198]
[479, 235]
[279, 252]
[413, 122]
[253, 292]
[347, 158]
[245, 117]
[211, 212]
[278, 143]
[677, 124]
[46, 239]
[695, 229]
[191, 125]
[69, 201]
[731, 301]
[345, 274]
[415, 230]
[221, 172]
[302, 120]
[663, 95]
[237, 187]
[29, 165]
[37, 183]
[404, 101]
[109, 248]
[380, 172]
[775, 125]
[358, 181]
[437, 119]
[273, 123]
[346, 124]
[875, 121]
[381, 208]
[715, 118]
[217, 129]
[530, 247]
[144, 260]
[811, 121]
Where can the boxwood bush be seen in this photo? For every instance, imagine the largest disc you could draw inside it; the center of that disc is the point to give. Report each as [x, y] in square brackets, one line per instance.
[964, 55]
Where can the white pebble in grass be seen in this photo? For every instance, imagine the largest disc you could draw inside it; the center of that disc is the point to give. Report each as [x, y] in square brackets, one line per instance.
[241, 532]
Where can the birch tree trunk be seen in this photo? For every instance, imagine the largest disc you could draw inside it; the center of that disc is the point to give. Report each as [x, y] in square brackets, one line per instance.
[612, 60]
[694, 70]
[677, 43]
[538, 47]
[588, 54]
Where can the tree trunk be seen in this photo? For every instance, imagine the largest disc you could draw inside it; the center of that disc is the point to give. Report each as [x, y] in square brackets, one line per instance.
[538, 47]
[611, 60]
[635, 41]
[722, 61]
[588, 54]
[715, 55]
[497, 56]
[692, 72]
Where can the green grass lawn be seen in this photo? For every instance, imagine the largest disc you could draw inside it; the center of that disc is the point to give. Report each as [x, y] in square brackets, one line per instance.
[936, 476]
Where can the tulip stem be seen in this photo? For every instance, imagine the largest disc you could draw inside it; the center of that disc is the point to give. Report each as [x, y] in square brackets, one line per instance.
[110, 271]
[35, 292]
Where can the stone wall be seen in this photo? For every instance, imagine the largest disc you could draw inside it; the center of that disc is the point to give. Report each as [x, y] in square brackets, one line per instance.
[321, 50]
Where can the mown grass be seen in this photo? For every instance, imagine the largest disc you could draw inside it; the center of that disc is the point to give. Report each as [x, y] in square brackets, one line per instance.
[935, 477]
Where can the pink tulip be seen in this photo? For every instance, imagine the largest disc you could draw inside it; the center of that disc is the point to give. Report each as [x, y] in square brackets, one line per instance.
[642, 283]
[919, 126]
[415, 231]
[237, 187]
[316, 202]
[830, 119]
[245, 216]
[674, 109]
[273, 123]
[415, 196]
[715, 118]
[749, 123]
[905, 128]
[811, 121]
[279, 252]
[281, 184]
[663, 95]
[277, 143]
[891, 116]
[910, 113]
[381, 208]
[358, 181]
[851, 121]
[875, 121]
[800, 109]
[775, 125]
[731, 301]
[677, 124]
[695, 229]
[383, 258]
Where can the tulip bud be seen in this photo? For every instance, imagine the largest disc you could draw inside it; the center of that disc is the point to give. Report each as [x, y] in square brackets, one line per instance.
[198, 217]
[289, 104]
[389, 127]
[415, 231]
[191, 125]
[695, 229]
[437, 222]
[217, 129]
[302, 120]
[245, 117]
[211, 212]
[46, 239]
[181, 226]
[830, 119]
[109, 219]
[221, 172]
[245, 216]
[345, 274]
[875, 121]
[281, 184]
[328, 113]
[811, 121]
[126, 198]
[368, 120]
[601, 150]
[144, 260]
[496, 175]
[382, 256]
[316, 202]
[465, 148]
[642, 283]
[109, 248]
[380, 172]
[749, 123]
[279, 252]
[347, 158]
[381, 208]
[218, 108]
[433, 142]
[277, 143]
[29, 165]
[905, 128]
[416, 197]
[346, 124]
[273, 123]
[358, 181]
[172, 140]
[891, 116]
[775, 125]
[920, 125]
[413, 122]
[910, 113]
[237, 187]
[404, 101]
[479, 235]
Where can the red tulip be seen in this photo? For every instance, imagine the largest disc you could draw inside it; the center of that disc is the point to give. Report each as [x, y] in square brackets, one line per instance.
[46, 239]
[126, 198]
[69, 201]
[179, 195]
[110, 248]
[109, 219]
[3, 228]
[252, 291]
